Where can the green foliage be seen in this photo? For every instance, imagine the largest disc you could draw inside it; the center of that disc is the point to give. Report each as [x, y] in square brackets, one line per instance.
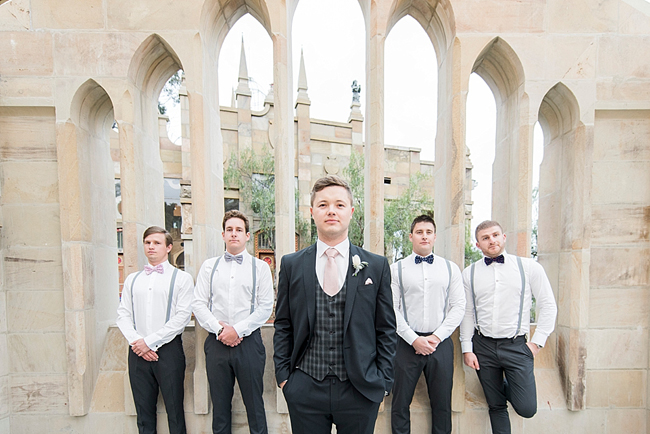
[254, 176]
[354, 175]
[472, 254]
[398, 213]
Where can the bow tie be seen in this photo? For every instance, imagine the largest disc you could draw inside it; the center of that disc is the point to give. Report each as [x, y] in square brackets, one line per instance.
[237, 258]
[148, 269]
[427, 259]
[500, 259]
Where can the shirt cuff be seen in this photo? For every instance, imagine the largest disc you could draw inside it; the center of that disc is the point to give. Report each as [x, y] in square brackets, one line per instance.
[409, 336]
[214, 325]
[152, 341]
[240, 328]
[539, 339]
[467, 347]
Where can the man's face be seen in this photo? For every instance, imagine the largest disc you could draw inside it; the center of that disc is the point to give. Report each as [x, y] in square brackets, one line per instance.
[423, 237]
[332, 212]
[491, 241]
[155, 249]
[235, 235]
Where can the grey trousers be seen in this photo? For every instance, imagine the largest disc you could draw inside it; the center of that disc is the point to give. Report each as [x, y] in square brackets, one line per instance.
[438, 369]
[246, 363]
[506, 374]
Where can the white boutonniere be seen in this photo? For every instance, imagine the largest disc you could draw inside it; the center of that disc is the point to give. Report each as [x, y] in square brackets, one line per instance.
[358, 264]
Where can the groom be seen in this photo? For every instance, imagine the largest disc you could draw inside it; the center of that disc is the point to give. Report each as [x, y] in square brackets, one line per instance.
[335, 326]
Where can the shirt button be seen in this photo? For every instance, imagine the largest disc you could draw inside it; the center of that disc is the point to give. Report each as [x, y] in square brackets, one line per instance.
[331, 315]
[332, 348]
[331, 332]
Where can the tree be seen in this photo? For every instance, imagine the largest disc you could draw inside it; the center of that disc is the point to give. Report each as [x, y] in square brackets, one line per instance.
[254, 176]
[472, 254]
[398, 213]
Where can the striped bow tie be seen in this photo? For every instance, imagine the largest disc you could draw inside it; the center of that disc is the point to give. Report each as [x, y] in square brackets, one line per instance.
[237, 258]
[148, 269]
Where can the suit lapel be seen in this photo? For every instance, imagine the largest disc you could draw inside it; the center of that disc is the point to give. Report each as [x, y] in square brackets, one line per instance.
[352, 284]
[309, 284]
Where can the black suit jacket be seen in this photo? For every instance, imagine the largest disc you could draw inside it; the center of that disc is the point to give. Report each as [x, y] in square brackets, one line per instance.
[369, 326]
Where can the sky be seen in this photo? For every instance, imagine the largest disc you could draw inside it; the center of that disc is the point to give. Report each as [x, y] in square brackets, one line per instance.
[331, 37]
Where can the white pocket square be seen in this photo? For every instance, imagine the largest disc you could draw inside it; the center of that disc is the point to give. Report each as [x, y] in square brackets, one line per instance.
[368, 281]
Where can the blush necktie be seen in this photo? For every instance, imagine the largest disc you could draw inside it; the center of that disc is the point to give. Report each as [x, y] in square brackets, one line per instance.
[331, 273]
[148, 269]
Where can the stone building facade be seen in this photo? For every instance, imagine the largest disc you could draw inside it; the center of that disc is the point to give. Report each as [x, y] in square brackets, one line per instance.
[70, 68]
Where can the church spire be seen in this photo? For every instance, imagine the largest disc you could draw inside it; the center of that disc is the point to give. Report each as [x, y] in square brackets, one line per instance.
[303, 98]
[242, 88]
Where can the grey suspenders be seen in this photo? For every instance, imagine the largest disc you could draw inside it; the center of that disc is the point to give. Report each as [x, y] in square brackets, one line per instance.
[401, 290]
[254, 267]
[521, 297]
[169, 299]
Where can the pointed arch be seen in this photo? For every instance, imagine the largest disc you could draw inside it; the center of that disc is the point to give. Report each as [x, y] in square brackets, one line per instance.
[217, 20]
[88, 237]
[563, 232]
[500, 67]
[435, 16]
[152, 64]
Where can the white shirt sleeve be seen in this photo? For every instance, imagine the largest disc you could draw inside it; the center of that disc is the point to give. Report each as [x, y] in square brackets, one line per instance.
[468, 323]
[541, 288]
[202, 298]
[125, 312]
[263, 303]
[180, 314]
[456, 302]
[403, 329]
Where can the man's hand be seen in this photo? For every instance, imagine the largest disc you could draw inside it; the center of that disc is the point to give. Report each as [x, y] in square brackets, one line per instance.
[141, 349]
[533, 348]
[228, 335]
[422, 346]
[433, 341]
[471, 360]
[282, 384]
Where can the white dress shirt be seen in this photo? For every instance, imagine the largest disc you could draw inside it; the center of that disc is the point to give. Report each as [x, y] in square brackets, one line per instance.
[497, 288]
[342, 260]
[232, 290]
[149, 299]
[425, 294]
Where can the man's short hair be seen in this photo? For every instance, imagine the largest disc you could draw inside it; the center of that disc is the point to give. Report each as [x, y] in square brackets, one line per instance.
[235, 214]
[158, 230]
[424, 218]
[330, 181]
[485, 225]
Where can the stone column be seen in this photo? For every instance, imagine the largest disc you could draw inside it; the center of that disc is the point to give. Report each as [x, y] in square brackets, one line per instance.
[285, 153]
[374, 150]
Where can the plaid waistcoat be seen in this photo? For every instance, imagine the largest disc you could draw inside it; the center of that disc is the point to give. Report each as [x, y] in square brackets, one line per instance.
[325, 353]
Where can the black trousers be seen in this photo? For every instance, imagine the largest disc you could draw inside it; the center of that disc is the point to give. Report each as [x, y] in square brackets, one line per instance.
[315, 405]
[168, 375]
[246, 363]
[512, 359]
[438, 369]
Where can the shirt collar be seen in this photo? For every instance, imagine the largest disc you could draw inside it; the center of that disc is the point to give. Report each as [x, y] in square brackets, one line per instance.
[343, 248]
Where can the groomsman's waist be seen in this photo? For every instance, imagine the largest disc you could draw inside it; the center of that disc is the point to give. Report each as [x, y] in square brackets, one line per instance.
[424, 333]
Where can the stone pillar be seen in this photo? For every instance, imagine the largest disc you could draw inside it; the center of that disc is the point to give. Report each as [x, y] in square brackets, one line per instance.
[449, 181]
[374, 150]
[304, 144]
[285, 153]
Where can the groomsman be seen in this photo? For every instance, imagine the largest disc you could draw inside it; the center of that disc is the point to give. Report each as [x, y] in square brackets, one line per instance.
[429, 304]
[499, 290]
[153, 312]
[335, 324]
[232, 299]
